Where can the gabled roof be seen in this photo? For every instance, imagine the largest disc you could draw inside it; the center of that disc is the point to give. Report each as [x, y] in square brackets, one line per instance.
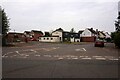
[91, 30]
[47, 32]
[66, 32]
[118, 17]
[28, 32]
[35, 31]
[80, 32]
[59, 29]
[15, 33]
[102, 33]
[107, 34]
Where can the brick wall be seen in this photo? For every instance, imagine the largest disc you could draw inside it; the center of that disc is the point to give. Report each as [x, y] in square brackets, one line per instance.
[15, 37]
[87, 39]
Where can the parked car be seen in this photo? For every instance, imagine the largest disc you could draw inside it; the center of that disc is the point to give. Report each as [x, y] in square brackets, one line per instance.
[99, 43]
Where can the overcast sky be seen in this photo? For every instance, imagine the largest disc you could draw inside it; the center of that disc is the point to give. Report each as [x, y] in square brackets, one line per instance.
[47, 15]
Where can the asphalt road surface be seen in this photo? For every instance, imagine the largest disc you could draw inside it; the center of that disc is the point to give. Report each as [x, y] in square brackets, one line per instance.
[58, 60]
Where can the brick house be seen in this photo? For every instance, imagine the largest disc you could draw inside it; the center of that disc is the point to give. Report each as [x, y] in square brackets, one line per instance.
[15, 37]
[36, 34]
[88, 35]
[27, 35]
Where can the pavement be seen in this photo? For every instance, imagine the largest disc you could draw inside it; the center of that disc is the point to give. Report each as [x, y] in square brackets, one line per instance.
[60, 60]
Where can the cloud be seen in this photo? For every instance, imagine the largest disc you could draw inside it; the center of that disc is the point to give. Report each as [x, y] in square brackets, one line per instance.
[52, 14]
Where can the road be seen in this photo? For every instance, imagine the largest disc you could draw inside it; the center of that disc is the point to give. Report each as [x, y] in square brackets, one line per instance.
[59, 60]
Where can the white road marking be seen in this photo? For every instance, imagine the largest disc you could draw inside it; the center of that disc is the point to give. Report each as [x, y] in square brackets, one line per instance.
[26, 55]
[50, 49]
[46, 49]
[60, 58]
[77, 49]
[47, 55]
[101, 58]
[18, 53]
[112, 59]
[37, 55]
[81, 49]
[73, 56]
[26, 50]
[55, 47]
[109, 57]
[4, 56]
[97, 56]
[87, 58]
[7, 54]
[115, 59]
[84, 49]
[33, 51]
[68, 58]
[81, 56]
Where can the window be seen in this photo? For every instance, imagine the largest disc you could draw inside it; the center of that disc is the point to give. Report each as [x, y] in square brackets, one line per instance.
[40, 38]
[66, 33]
[51, 38]
[47, 38]
[44, 38]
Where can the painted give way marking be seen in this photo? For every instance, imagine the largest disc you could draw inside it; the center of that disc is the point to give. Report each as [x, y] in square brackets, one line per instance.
[81, 49]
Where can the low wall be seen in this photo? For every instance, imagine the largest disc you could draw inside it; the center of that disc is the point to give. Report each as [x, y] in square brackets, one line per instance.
[49, 39]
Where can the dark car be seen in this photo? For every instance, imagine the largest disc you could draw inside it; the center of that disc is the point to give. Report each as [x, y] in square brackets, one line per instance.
[99, 43]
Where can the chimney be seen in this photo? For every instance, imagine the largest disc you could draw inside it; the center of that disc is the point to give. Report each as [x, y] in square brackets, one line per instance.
[96, 30]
